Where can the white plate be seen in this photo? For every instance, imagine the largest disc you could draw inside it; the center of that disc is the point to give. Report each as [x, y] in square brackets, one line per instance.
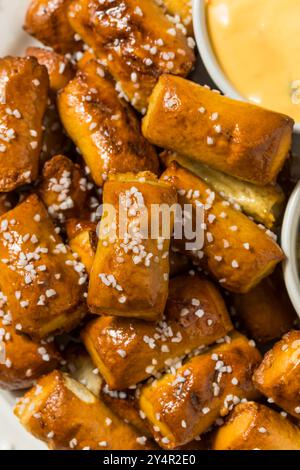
[13, 41]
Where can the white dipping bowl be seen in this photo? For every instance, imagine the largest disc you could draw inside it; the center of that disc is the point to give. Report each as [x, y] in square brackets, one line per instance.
[208, 56]
[289, 238]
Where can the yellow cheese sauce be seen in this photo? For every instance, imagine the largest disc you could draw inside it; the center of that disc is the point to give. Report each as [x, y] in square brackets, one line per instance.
[257, 44]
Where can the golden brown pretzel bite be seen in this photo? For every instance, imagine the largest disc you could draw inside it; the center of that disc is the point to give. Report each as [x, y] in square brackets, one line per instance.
[41, 281]
[130, 274]
[252, 426]
[103, 127]
[217, 131]
[83, 240]
[124, 405]
[47, 21]
[22, 360]
[64, 189]
[265, 311]
[60, 69]
[66, 415]
[278, 376]
[237, 252]
[127, 352]
[264, 203]
[182, 405]
[136, 42]
[21, 116]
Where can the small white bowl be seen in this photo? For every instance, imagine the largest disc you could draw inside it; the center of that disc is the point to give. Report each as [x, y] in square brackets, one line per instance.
[208, 56]
[289, 238]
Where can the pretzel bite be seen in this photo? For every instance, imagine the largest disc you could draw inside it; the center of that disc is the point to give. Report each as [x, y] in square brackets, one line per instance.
[64, 189]
[263, 313]
[236, 251]
[252, 426]
[103, 127]
[60, 69]
[136, 42]
[127, 352]
[130, 273]
[183, 405]
[22, 360]
[67, 416]
[265, 204]
[21, 117]
[83, 240]
[278, 376]
[41, 281]
[47, 21]
[181, 9]
[218, 131]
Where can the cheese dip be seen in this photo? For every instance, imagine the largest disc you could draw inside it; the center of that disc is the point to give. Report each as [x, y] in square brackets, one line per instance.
[257, 44]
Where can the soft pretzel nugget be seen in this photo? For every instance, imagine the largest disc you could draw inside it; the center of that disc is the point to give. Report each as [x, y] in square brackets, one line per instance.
[252, 426]
[238, 138]
[237, 252]
[103, 127]
[64, 189]
[67, 416]
[40, 280]
[130, 273]
[128, 351]
[47, 21]
[136, 42]
[182, 405]
[278, 376]
[22, 360]
[60, 69]
[23, 101]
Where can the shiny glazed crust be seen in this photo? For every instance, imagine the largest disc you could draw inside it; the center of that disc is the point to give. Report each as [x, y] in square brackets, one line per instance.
[23, 360]
[278, 376]
[65, 190]
[150, 44]
[222, 133]
[252, 426]
[127, 352]
[124, 282]
[47, 21]
[236, 251]
[183, 405]
[103, 127]
[21, 116]
[39, 278]
[67, 416]
[60, 69]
